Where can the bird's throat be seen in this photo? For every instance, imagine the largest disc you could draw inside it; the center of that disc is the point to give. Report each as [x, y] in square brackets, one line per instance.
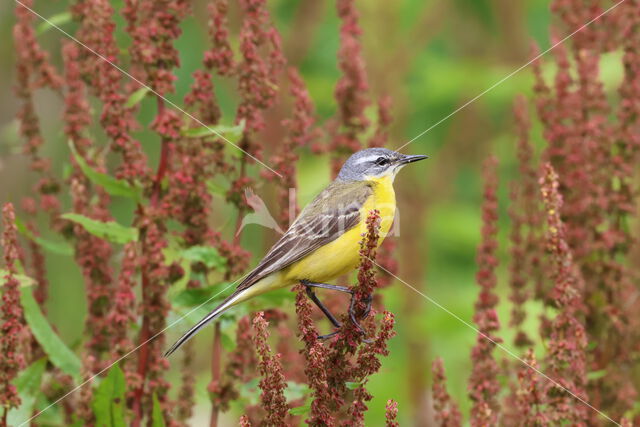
[383, 200]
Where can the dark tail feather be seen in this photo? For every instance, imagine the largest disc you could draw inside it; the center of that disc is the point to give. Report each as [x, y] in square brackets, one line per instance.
[224, 306]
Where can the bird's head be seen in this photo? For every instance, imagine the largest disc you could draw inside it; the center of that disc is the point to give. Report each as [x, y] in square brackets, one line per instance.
[375, 163]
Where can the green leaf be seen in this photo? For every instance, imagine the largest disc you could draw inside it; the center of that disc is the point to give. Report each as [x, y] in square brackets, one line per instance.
[53, 21]
[110, 230]
[67, 170]
[172, 254]
[157, 419]
[196, 296]
[351, 385]
[113, 186]
[227, 342]
[109, 399]
[300, 410]
[28, 381]
[28, 384]
[295, 391]
[59, 354]
[216, 189]
[275, 298]
[250, 391]
[60, 248]
[25, 281]
[232, 133]
[208, 255]
[596, 375]
[136, 97]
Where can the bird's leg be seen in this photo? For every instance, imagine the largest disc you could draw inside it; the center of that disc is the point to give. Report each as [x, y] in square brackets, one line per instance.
[352, 315]
[365, 314]
[327, 336]
[367, 309]
[311, 294]
[309, 289]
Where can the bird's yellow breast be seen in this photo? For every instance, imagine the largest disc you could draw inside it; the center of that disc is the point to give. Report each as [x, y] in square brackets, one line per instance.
[342, 255]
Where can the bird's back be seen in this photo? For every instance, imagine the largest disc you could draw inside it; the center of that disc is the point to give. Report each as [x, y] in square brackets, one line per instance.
[342, 255]
[336, 210]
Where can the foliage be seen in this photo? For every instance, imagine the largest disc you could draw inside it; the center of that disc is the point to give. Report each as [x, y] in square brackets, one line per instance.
[146, 207]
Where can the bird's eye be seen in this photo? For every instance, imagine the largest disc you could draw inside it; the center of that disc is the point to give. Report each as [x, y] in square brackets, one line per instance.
[381, 161]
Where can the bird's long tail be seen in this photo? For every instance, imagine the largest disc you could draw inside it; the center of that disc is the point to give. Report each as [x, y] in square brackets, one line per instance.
[224, 306]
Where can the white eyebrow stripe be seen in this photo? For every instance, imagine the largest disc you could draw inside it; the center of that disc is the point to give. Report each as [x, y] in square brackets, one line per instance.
[367, 159]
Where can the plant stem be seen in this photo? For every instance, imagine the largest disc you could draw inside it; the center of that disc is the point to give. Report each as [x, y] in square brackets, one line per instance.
[217, 347]
[145, 333]
[163, 163]
[142, 366]
[243, 172]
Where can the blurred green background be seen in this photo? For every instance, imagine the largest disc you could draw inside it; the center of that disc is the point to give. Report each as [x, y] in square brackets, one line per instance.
[431, 57]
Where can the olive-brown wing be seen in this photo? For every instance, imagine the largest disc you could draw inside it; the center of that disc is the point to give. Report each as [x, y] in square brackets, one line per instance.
[332, 213]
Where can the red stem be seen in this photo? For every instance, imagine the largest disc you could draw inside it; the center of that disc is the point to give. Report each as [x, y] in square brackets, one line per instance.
[236, 238]
[163, 163]
[217, 348]
[215, 370]
[143, 360]
[145, 333]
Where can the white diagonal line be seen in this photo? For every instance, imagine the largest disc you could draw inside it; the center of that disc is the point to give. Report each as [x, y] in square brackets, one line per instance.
[497, 344]
[188, 115]
[125, 356]
[168, 101]
[508, 76]
[213, 131]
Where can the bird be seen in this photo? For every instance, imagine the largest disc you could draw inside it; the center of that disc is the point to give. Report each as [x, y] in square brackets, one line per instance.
[323, 242]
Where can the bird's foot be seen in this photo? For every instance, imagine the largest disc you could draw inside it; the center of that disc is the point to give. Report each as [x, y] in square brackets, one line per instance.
[367, 309]
[311, 294]
[354, 320]
[327, 336]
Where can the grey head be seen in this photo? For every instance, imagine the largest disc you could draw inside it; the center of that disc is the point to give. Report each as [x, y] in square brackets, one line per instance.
[375, 163]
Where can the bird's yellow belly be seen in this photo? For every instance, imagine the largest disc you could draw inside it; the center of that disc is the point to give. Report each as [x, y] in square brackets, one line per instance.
[342, 255]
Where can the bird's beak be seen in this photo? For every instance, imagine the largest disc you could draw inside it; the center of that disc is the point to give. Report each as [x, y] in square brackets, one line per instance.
[411, 159]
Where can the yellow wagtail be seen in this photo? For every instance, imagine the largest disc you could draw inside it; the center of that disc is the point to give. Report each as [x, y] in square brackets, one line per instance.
[324, 241]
